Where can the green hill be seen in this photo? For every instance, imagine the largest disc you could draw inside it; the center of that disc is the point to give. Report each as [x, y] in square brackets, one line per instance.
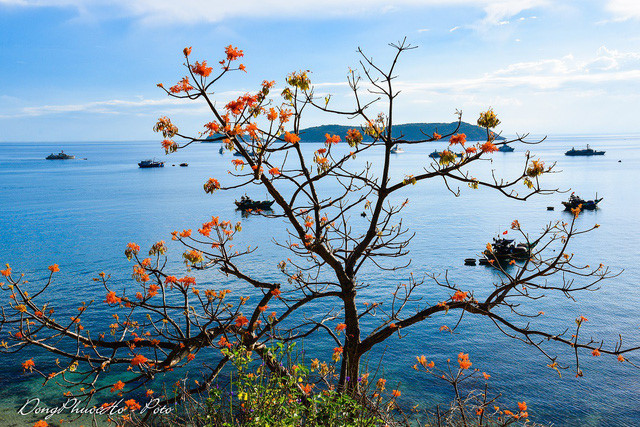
[409, 131]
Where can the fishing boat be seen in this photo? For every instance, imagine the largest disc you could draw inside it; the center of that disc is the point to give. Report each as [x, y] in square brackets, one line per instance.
[586, 152]
[506, 148]
[150, 164]
[507, 250]
[246, 203]
[184, 165]
[60, 156]
[396, 149]
[575, 201]
[437, 154]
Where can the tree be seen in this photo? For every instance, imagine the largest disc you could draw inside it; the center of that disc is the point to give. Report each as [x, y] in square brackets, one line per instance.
[170, 319]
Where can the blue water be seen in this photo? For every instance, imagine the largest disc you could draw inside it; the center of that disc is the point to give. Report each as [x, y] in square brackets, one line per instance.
[81, 214]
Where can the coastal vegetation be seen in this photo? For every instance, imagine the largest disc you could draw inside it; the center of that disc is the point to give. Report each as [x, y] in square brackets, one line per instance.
[166, 322]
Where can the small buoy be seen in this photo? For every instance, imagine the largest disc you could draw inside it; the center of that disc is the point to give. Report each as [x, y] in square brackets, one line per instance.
[619, 161]
[550, 208]
[363, 214]
[172, 165]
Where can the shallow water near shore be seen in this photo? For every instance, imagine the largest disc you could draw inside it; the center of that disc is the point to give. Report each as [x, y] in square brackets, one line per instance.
[80, 214]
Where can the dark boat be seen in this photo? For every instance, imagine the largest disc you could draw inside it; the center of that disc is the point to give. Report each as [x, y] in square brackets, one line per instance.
[60, 156]
[575, 201]
[507, 249]
[586, 152]
[246, 203]
[436, 154]
[184, 165]
[151, 164]
[506, 148]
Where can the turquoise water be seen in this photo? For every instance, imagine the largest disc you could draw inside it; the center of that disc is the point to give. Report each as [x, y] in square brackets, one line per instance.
[81, 214]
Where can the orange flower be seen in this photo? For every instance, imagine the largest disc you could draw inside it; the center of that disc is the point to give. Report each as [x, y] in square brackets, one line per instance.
[6, 272]
[201, 69]
[233, 53]
[262, 308]
[28, 364]
[337, 351]
[117, 386]
[488, 147]
[459, 296]
[306, 389]
[272, 114]
[595, 352]
[112, 298]
[54, 268]
[479, 411]
[463, 360]
[436, 136]
[486, 376]
[241, 321]
[275, 292]
[190, 357]
[41, 423]
[341, 327]
[274, 171]
[291, 138]
[132, 405]
[223, 342]
[182, 86]
[354, 137]
[187, 51]
[396, 393]
[380, 384]
[138, 360]
[153, 290]
[211, 185]
[284, 115]
[459, 138]
[522, 406]
[331, 139]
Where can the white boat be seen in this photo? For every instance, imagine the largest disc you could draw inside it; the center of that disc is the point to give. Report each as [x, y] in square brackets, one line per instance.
[396, 149]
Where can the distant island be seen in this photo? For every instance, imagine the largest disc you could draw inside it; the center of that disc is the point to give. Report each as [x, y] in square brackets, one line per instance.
[409, 131]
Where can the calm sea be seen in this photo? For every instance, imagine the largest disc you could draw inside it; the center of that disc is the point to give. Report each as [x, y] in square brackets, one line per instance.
[81, 213]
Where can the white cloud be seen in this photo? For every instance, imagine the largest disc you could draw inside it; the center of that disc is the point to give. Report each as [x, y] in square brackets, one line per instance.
[189, 11]
[605, 68]
[624, 10]
[115, 106]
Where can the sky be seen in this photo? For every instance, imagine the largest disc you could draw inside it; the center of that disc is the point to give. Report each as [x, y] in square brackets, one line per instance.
[86, 70]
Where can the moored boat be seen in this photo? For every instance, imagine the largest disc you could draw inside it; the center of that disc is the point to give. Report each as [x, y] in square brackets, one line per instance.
[396, 149]
[586, 152]
[507, 250]
[575, 201]
[246, 203]
[437, 154]
[150, 164]
[60, 156]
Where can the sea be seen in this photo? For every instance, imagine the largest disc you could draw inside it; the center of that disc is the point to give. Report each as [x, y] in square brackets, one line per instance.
[82, 213]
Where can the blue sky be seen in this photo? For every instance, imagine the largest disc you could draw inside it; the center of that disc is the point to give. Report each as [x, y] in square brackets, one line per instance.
[73, 70]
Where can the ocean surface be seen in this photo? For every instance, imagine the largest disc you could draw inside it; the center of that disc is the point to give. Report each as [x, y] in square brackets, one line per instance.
[81, 214]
